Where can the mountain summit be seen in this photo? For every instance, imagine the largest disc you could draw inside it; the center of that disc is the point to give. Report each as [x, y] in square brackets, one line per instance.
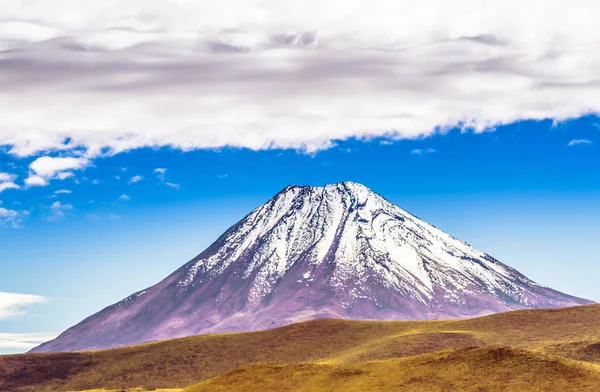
[339, 251]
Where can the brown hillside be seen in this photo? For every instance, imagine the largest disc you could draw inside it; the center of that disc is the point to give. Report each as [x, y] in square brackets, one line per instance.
[526, 348]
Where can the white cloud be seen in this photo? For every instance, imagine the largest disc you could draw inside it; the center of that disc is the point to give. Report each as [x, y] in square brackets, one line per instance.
[7, 177]
[4, 213]
[124, 198]
[172, 185]
[421, 151]
[12, 304]
[64, 175]
[46, 168]
[50, 166]
[7, 182]
[260, 74]
[9, 218]
[57, 205]
[8, 185]
[161, 175]
[63, 192]
[23, 341]
[34, 180]
[135, 179]
[57, 211]
[576, 142]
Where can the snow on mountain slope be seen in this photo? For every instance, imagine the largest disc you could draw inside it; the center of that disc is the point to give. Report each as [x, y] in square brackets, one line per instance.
[334, 251]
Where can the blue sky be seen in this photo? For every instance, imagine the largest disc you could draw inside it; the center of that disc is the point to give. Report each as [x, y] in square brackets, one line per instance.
[519, 192]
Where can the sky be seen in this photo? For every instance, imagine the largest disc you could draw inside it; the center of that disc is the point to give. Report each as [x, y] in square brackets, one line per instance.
[131, 137]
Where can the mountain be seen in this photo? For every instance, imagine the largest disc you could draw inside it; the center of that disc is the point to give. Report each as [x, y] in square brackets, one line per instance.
[339, 251]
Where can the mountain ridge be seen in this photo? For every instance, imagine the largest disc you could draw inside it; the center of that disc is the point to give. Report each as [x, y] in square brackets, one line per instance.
[340, 251]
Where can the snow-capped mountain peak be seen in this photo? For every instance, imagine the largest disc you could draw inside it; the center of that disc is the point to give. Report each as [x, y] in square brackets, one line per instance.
[340, 250]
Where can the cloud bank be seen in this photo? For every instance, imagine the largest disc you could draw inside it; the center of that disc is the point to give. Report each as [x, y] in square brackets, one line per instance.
[23, 341]
[111, 76]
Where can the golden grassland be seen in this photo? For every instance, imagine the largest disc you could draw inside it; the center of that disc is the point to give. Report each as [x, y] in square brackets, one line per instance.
[131, 390]
[532, 350]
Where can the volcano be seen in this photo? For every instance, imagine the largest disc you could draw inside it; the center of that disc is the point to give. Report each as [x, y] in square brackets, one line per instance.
[338, 251]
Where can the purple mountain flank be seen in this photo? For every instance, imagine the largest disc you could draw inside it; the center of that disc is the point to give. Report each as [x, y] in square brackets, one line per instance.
[339, 251]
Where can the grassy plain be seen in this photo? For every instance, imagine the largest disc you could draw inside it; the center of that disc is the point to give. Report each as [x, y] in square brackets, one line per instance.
[532, 350]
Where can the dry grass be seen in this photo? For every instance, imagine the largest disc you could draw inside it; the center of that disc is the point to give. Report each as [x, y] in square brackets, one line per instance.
[473, 369]
[525, 350]
[130, 390]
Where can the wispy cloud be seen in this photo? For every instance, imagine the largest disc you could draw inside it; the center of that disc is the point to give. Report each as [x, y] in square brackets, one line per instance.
[8, 185]
[161, 175]
[135, 179]
[57, 205]
[57, 210]
[578, 142]
[7, 181]
[10, 218]
[13, 305]
[6, 177]
[420, 151]
[23, 341]
[124, 197]
[64, 175]
[63, 192]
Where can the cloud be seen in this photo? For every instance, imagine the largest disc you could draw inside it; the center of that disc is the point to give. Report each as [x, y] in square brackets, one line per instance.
[10, 218]
[46, 168]
[7, 182]
[34, 180]
[135, 179]
[266, 74]
[57, 205]
[124, 197]
[64, 175]
[49, 166]
[7, 177]
[8, 185]
[160, 173]
[577, 142]
[63, 192]
[57, 211]
[23, 341]
[420, 151]
[12, 305]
